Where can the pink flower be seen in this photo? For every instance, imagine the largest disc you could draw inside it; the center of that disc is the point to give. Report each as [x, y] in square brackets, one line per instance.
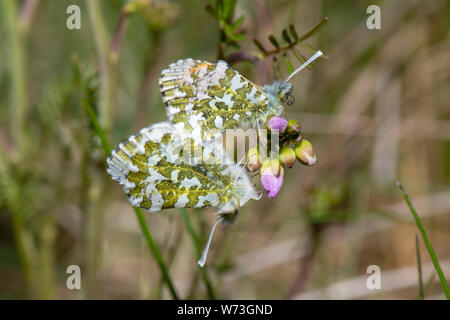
[277, 123]
[272, 176]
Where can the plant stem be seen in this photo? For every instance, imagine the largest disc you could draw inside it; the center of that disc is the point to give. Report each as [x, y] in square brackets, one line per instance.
[313, 30]
[239, 56]
[18, 97]
[108, 55]
[419, 270]
[107, 69]
[142, 223]
[18, 112]
[24, 241]
[426, 241]
[26, 13]
[300, 39]
[155, 251]
[97, 127]
[195, 241]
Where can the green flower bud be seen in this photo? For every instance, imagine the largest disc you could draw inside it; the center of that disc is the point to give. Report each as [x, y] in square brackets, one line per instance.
[293, 127]
[253, 160]
[305, 153]
[270, 166]
[287, 157]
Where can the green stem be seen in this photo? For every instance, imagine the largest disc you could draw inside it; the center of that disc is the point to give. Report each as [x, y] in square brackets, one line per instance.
[108, 56]
[107, 65]
[18, 98]
[97, 127]
[419, 270]
[426, 241]
[196, 243]
[142, 223]
[24, 242]
[155, 251]
[299, 40]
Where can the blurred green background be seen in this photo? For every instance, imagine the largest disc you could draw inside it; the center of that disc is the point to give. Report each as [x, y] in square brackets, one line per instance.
[376, 110]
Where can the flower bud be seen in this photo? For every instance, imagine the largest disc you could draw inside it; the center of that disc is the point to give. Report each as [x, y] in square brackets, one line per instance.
[271, 181]
[277, 123]
[298, 138]
[253, 160]
[305, 153]
[271, 166]
[287, 157]
[293, 127]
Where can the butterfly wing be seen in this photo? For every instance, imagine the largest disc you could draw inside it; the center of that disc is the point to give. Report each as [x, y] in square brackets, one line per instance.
[207, 98]
[157, 171]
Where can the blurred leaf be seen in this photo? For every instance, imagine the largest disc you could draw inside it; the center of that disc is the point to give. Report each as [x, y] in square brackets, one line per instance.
[293, 32]
[289, 66]
[286, 37]
[237, 36]
[276, 66]
[230, 13]
[135, 5]
[211, 10]
[238, 22]
[274, 41]
[314, 29]
[301, 58]
[259, 45]
[427, 241]
[220, 10]
[419, 270]
[225, 10]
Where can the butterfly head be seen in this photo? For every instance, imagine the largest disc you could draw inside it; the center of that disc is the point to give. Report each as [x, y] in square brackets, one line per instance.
[281, 90]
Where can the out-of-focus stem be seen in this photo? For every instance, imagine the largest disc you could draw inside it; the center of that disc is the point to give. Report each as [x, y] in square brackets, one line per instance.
[239, 56]
[108, 55]
[195, 242]
[117, 37]
[22, 237]
[15, 31]
[26, 13]
[47, 258]
[93, 216]
[427, 242]
[141, 220]
[107, 72]
[18, 95]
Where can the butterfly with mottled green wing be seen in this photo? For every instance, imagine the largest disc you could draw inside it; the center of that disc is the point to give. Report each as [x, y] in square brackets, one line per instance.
[207, 98]
[157, 170]
[161, 168]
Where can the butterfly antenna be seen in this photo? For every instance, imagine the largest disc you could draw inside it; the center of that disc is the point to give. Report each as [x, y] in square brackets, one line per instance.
[201, 262]
[314, 57]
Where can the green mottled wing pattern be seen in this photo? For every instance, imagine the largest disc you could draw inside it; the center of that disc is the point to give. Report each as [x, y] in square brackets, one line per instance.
[207, 98]
[153, 169]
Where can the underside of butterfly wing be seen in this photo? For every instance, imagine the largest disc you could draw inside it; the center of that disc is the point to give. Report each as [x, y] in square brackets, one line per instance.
[207, 98]
[156, 173]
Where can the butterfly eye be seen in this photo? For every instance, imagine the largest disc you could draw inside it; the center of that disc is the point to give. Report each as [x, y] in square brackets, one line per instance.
[288, 99]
